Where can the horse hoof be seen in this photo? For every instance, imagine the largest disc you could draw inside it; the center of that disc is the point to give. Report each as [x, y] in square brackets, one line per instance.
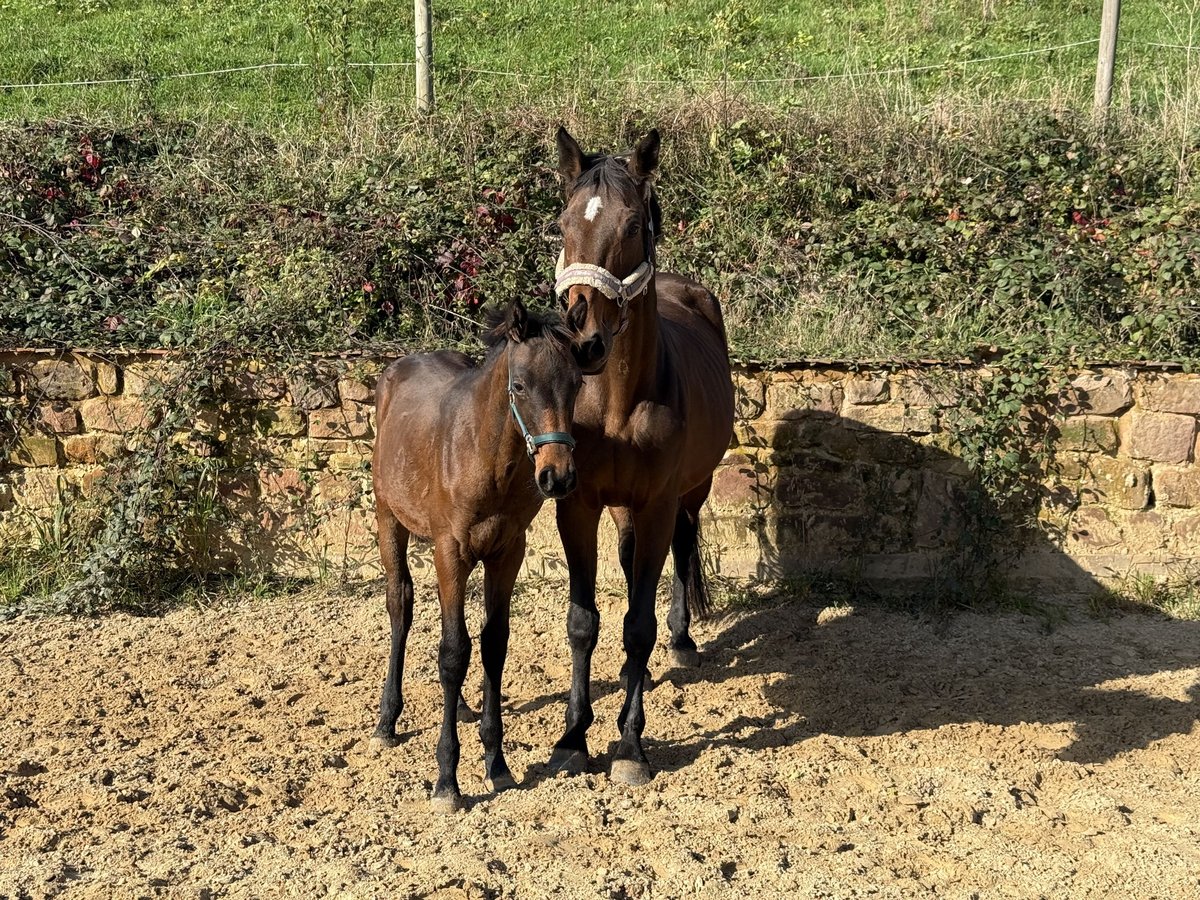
[466, 715]
[381, 742]
[446, 803]
[629, 771]
[685, 657]
[502, 782]
[570, 762]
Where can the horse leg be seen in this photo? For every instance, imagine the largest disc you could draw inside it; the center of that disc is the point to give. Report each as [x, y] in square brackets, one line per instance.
[454, 652]
[577, 528]
[499, 576]
[623, 518]
[688, 592]
[393, 550]
[652, 525]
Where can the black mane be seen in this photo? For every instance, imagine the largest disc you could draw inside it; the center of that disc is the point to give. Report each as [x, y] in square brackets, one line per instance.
[539, 325]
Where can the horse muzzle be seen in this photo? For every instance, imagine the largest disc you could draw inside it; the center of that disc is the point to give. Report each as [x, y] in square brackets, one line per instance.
[557, 481]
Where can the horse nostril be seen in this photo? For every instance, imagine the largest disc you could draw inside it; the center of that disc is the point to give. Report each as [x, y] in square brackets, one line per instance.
[568, 482]
[545, 480]
[595, 349]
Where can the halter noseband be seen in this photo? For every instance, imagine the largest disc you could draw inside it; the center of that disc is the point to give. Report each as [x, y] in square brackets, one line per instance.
[533, 441]
[612, 287]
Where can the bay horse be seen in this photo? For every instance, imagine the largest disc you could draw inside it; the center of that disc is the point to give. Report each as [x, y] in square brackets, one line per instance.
[652, 421]
[456, 461]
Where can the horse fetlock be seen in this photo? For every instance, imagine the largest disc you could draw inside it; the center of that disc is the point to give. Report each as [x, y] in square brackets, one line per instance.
[568, 760]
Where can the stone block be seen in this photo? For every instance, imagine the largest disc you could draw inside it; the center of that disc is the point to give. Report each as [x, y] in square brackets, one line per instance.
[1144, 532]
[1187, 535]
[59, 417]
[282, 483]
[1114, 482]
[1091, 530]
[64, 379]
[360, 390]
[1100, 394]
[279, 421]
[251, 385]
[1088, 433]
[791, 395]
[741, 480]
[145, 377]
[894, 417]
[116, 414]
[8, 382]
[91, 449]
[866, 389]
[1177, 487]
[749, 397]
[34, 450]
[339, 489]
[39, 489]
[351, 457]
[820, 483]
[314, 390]
[941, 511]
[1174, 394]
[1160, 437]
[350, 420]
[106, 378]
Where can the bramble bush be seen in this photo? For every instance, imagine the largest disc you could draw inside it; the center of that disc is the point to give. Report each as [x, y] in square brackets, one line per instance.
[822, 239]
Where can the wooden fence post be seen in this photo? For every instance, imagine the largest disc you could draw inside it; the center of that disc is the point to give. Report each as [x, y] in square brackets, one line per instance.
[424, 32]
[1106, 62]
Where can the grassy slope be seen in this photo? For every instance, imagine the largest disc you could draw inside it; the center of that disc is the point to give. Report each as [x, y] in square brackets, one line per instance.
[574, 47]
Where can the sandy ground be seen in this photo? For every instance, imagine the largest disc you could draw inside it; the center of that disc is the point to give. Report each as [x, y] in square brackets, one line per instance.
[818, 752]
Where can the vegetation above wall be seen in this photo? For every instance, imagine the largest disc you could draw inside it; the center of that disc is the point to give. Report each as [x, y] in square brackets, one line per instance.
[849, 231]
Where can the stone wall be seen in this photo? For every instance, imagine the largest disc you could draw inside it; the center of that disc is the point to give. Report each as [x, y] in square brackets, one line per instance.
[851, 472]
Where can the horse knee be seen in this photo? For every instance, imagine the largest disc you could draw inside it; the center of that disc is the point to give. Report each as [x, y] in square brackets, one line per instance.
[583, 628]
[453, 658]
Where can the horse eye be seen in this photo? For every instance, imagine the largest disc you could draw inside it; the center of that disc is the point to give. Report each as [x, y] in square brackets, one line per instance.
[633, 229]
[518, 388]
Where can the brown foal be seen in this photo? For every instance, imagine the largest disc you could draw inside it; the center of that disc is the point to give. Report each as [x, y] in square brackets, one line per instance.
[456, 462]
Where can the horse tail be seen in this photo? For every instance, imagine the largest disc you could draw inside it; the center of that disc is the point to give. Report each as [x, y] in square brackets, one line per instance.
[695, 588]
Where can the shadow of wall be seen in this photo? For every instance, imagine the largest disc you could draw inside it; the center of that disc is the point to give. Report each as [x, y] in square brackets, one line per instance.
[861, 479]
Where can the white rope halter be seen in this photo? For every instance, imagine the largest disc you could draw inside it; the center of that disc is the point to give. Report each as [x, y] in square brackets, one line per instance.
[598, 277]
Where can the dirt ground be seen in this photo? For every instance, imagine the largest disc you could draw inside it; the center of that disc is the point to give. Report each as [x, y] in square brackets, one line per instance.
[818, 752]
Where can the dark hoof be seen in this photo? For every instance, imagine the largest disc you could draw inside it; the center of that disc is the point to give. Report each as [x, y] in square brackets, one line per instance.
[466, 715]
[571, 762]
[629, 771]
[685, 657]
[502, 782]
[381, 742]
[447, 802]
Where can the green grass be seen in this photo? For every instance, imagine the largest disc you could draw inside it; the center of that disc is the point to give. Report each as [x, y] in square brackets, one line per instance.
[564, 54]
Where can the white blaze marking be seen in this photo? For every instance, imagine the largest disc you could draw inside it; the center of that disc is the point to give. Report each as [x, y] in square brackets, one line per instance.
[593, 207]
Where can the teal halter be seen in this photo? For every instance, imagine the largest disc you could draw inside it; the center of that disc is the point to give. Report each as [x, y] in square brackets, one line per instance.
[533, 441]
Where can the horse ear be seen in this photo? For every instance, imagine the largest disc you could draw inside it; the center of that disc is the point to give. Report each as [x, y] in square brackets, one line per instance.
[570, 157]
[517, 322]
[645, 155]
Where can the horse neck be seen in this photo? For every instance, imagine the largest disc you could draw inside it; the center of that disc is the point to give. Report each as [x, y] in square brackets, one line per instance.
[631, 373]
[496, 435]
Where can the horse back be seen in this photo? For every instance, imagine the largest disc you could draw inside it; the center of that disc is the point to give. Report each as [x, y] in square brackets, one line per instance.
[412, 398]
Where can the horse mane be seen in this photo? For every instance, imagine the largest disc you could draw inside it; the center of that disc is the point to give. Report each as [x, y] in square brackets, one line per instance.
[538, 325]
[611, 173]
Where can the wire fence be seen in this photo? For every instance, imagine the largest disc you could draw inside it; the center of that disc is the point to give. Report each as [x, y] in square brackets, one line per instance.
[498, 73]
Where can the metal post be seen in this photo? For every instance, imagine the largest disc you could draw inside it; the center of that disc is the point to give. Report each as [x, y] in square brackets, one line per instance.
[1106, 62]
[424, 31]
